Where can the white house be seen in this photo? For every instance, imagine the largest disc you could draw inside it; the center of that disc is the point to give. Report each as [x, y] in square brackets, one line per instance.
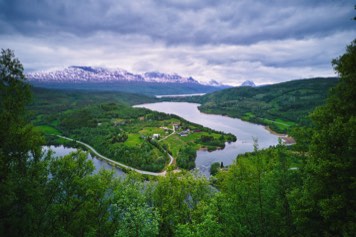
[156, 136]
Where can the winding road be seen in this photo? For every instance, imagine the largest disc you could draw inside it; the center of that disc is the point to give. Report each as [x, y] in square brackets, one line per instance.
[174, 132]
[163, 173]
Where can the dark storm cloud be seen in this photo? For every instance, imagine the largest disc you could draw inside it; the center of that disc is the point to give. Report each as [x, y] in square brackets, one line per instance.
[180, 22]
[228, 40]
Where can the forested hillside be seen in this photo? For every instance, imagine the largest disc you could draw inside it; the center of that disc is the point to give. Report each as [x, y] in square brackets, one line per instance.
[305, 190]
[280, 106]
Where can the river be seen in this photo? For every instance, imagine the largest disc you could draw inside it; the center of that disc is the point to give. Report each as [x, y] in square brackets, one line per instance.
[244, 131]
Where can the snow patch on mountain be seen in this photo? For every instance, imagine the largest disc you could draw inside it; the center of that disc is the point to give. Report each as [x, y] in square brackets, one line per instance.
[167, 78]
[100, 74]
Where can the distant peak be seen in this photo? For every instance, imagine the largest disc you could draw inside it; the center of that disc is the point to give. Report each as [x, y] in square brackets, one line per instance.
[248, 83]
[155, 76]
[214, 83]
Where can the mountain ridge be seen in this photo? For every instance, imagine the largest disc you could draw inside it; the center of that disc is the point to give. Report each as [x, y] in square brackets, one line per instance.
[101, 74]
[100, 78]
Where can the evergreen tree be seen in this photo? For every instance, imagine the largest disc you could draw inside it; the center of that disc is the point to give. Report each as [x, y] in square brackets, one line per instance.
[254, 194]
[325, 205]
[22, 174]
[16, 134]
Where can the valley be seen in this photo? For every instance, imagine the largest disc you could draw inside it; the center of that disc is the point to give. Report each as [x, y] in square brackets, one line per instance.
[145, 139]
[137, 137]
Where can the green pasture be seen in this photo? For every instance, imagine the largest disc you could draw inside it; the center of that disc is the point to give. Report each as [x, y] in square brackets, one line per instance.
[48, 130]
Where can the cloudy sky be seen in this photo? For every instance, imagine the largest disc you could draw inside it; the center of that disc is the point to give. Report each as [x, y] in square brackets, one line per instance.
[229, 40]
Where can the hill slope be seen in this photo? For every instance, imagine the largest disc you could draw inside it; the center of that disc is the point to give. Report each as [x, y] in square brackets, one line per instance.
[279, 106]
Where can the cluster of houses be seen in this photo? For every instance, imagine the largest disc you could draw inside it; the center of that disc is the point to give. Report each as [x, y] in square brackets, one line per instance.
[176, 126]
[177, 129]
[184, 133]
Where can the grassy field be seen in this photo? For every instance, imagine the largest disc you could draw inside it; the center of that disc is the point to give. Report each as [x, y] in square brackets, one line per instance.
[133, 140]
[282, 125]
[48, 130]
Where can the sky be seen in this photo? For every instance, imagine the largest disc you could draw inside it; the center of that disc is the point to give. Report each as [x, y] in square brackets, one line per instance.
[229, 41]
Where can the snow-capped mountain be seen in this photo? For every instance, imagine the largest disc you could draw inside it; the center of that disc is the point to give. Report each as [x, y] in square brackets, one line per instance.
[81, 74]
[248, 83]
[214, 83]
[98, 78]
[167, 78]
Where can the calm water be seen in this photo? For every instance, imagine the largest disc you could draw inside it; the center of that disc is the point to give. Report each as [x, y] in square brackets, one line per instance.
[244, 131]
[62, 151]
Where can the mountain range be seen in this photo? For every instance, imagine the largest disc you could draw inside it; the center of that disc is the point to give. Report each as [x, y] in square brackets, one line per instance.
[99, 78]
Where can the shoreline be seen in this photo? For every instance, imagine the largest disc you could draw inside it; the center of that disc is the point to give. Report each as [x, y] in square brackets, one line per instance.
[287, 140]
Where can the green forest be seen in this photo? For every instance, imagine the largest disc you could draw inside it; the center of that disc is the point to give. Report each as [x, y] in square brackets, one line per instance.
[304, 190]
